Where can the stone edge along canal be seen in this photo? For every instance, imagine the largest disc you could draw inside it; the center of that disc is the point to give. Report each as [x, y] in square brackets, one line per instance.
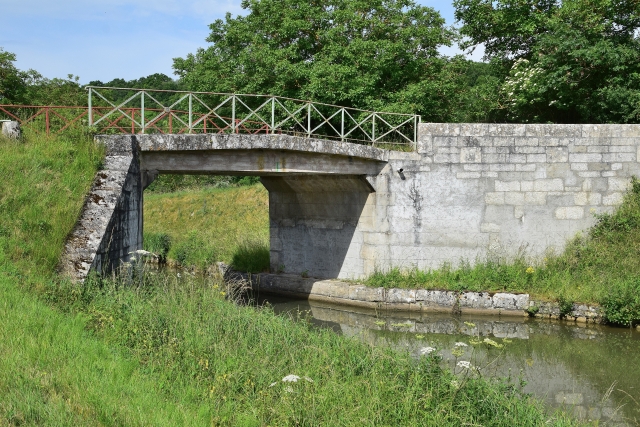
[413, 300]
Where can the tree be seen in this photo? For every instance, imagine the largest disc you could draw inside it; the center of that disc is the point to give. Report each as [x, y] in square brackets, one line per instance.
[572, 61]
[376, 54]
[12, 80]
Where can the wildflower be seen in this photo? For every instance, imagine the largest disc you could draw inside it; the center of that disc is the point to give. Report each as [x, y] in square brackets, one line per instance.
[530, 270]
[464, 364]
[455, 384]
[291, 379]
[272, 384]
[427, 350]
[461, 344]
[457, 351]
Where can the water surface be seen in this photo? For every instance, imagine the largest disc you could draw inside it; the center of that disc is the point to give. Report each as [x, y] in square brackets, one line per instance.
[592, 371]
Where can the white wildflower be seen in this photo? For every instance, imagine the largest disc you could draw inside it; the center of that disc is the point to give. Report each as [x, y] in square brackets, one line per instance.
[272, 384]
[464, 364]
[427, 350]
[291, 379]
[461, 344]
[308, 379]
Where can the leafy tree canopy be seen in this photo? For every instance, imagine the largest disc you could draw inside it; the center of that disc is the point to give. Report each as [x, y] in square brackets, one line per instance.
[566, 61]
[377, 54]
[12, 80]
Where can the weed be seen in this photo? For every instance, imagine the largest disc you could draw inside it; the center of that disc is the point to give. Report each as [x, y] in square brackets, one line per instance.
[159, 244]
[622, 305]
[565, 306]
[251, 256]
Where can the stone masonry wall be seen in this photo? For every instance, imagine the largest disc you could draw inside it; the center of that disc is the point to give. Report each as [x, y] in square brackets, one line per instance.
[110, 225]
[474, 191]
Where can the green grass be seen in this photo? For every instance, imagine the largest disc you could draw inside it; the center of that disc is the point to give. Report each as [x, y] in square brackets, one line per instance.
[226, 362]
[41, 194]
[205, 225]
[175, 352]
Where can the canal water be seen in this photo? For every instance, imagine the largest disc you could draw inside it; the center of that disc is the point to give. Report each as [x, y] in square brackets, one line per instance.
[591, 371]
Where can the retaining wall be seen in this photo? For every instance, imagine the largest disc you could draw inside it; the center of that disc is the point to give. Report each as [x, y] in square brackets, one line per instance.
[474, 191]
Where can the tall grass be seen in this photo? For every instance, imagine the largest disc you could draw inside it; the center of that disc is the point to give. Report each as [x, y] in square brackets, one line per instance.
[42, 190]
[227, 363]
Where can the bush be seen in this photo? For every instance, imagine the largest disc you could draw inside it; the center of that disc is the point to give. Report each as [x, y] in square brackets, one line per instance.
[194, 251]
[622, 304]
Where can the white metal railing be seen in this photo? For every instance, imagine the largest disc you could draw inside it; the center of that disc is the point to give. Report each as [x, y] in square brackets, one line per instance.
[160, 111]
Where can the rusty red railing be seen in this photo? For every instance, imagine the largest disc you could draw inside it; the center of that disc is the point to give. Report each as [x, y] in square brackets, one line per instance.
[54, 119]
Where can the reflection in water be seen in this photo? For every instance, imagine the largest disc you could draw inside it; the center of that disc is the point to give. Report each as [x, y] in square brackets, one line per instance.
[592, 371]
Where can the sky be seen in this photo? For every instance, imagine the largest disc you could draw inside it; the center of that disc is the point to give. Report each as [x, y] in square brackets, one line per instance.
[107, 39]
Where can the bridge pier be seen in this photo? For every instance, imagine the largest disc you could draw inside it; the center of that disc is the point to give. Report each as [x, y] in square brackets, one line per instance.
[313, 221]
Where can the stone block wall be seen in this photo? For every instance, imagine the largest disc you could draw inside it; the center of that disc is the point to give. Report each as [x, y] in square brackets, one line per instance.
[110, 225]
[474, 191]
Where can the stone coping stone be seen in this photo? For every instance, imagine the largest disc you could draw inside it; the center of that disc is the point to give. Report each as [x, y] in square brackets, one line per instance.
[346, 293]
[160, 142]
[410, 300]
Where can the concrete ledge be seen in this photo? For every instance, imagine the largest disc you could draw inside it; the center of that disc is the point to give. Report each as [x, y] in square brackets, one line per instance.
[200, 142]
[410, 300]
[344, 293]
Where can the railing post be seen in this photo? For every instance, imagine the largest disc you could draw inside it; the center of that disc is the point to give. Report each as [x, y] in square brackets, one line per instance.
[133, 123]
[90, 109]
[415, 133]
[342, 127]
[46, 115]
[142, 111]
[309, 120]
[273, 115]
[233, 113]
[373, 129]
[190, 113]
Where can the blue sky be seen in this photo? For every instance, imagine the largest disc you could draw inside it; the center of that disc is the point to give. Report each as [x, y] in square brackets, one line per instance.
[102, 40]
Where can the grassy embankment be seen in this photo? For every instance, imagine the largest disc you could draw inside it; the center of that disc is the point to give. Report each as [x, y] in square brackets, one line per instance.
[200, 226]
[176, 352]
[602, 266]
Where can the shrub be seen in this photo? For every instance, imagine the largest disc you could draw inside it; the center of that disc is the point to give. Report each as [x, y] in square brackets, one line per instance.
[194, 251]
[622, 304]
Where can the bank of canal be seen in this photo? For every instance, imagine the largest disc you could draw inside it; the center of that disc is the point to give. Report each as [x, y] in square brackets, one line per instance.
[589, 370]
